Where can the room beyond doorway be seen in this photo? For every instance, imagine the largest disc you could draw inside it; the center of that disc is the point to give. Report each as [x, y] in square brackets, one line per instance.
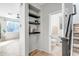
[55, 33]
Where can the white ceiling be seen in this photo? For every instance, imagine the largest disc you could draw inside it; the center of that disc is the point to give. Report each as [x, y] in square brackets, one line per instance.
[9, 9]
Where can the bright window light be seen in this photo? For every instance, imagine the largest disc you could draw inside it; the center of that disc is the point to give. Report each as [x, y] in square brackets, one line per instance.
[12, 26]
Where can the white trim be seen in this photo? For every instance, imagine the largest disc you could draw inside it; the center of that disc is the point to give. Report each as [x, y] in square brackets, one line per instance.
[63, 11]
[53, 13]
[22, 30]
[72, 41]
[49, 36]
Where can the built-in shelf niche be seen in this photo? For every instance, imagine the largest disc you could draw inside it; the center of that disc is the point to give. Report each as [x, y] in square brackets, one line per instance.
[34, 21]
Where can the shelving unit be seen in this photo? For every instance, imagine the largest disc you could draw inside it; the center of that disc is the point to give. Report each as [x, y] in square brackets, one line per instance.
[34, 14]
[34, 27]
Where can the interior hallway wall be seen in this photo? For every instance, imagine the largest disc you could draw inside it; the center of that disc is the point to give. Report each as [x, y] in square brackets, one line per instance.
[45, 11]
[76, 17]
[24, 31]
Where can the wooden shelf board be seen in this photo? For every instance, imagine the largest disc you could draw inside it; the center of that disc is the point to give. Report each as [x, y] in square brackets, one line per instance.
[34, 32]
[32, 15]
[34, 23]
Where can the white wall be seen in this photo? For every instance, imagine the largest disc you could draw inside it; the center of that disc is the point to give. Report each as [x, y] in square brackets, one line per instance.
[76, 17]
[12, 35]
[24, 31]
[46, 9]
[34, 42]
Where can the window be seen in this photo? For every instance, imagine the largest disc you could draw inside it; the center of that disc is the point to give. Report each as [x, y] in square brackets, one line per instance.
[12, 26]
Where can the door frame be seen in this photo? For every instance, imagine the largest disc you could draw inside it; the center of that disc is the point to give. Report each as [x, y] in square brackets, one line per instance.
[53, 13]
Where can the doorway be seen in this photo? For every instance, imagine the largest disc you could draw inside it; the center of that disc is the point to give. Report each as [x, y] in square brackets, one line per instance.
[55, 33]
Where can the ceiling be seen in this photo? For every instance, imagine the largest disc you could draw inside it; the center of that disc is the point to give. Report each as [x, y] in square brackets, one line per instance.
[9, 10]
